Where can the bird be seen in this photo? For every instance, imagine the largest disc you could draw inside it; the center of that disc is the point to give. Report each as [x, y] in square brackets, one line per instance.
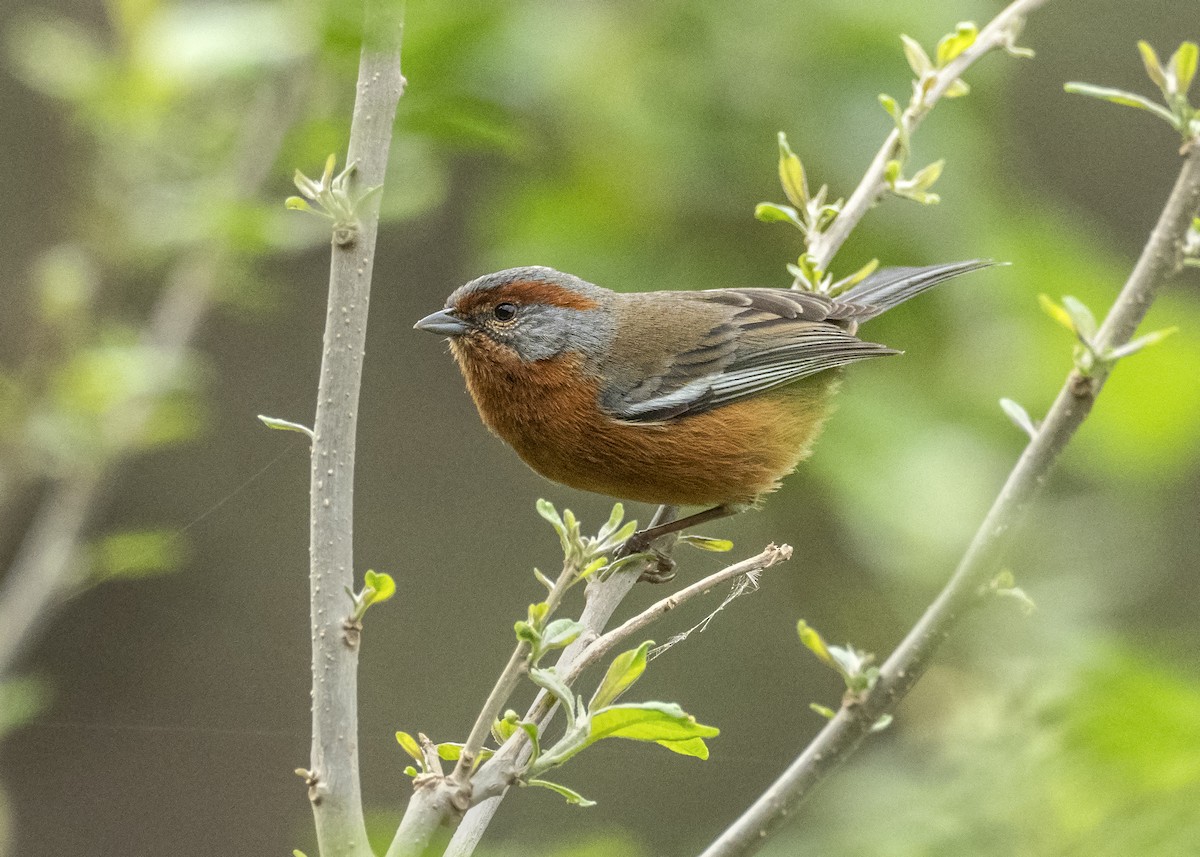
[680, 398]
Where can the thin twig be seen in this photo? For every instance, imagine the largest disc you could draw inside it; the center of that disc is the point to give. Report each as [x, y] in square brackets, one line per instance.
[998, 33]
[335, 791]
[602, 647]
[843, 734]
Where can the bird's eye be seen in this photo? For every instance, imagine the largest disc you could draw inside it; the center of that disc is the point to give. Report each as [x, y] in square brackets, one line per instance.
[505, 312]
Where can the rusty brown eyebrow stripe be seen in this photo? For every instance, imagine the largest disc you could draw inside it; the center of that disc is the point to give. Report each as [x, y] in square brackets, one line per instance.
[525, 292]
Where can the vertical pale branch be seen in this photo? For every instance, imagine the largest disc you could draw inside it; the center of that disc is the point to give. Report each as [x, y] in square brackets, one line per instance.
[846, 731]
[333, 779]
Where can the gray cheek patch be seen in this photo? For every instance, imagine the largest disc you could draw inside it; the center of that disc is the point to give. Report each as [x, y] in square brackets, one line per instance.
[547, 331]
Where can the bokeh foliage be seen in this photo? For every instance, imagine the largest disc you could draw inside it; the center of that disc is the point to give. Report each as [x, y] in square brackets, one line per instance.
[629, 143]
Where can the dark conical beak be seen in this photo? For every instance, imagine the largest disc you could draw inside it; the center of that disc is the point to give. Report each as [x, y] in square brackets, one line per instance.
[442, 323]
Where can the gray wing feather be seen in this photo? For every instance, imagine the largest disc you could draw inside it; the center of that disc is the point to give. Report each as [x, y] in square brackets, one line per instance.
[737, 361]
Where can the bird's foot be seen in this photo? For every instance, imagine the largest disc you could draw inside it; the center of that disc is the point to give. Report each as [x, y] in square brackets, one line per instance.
[660, 567]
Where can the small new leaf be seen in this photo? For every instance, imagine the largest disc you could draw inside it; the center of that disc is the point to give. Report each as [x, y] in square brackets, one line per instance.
[1154, 69]
[560, 632]
[1082, 319]
[918, 60]
[1056, 312]
[825, 711]
[953, 44]
[572, 797]
[379, 587]
[1141, 342]
[813, 642]
[705, 543]
[791, 174]
[409, 744]
[504, 728]
[769, 212]
[1183, 68]
[285, 425]
[1125, 99]
[623, 672]
[548, 680]
[1019, 416]
[882, 723]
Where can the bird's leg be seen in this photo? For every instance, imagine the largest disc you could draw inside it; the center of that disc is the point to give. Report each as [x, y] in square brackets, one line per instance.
[642, 540]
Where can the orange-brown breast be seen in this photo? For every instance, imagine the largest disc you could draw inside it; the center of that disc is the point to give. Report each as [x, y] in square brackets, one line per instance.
[547, 411]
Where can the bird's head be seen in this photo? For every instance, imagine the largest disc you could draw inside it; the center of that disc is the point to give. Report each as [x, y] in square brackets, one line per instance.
[530, 314]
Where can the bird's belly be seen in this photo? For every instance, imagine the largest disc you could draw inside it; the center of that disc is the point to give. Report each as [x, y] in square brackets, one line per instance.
[730, 454]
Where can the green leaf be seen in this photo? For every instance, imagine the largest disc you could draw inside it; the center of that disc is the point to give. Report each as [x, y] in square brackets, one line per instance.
[284, 425]
[890, 105]
[705, 543]
[296, 852]
[410, 771]
[1141, 342]
[561, 632]
[1183, 67]
[918, 60]
[824, 711]
[1082, 319]
[791, 174]
[295, 203]
[1154, 68]
[451, 751]
[1019, 416]
[1056, 312]
[769, 212]
[882, 723]
[663, 723]
[625, 669]
[813, 642]
[381, 584]
[535, 741]
[613, 523]
[526, 633]
[504, 728]
[953, 44]
[548, 680]
[1125, 99]
[409, 744]
[571, 796]
[925, 178]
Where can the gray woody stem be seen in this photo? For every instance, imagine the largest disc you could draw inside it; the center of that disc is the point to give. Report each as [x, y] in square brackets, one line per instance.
[998, 33]
[844, 733]
[333, 779]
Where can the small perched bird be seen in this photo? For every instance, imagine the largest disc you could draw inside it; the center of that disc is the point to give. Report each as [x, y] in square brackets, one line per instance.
[704, 398]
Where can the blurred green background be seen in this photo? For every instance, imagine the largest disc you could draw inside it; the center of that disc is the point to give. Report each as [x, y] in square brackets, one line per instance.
[163, 708]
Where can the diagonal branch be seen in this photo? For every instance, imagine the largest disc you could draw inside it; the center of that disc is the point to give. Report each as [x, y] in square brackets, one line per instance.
[999, 33]
[845, 732]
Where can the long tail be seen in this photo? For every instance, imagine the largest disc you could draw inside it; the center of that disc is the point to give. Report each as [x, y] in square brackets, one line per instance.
[893, 286]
